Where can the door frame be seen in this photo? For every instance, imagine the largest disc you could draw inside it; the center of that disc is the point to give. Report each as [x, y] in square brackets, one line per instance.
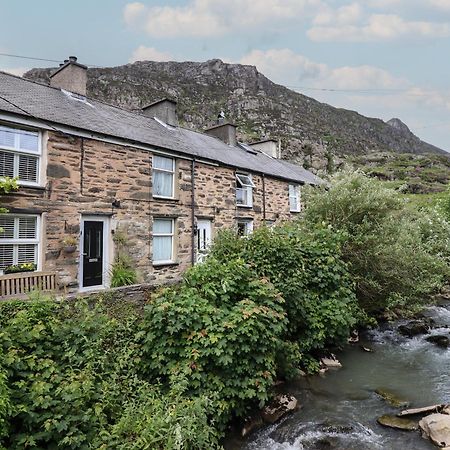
[107, 242]
[211, 235]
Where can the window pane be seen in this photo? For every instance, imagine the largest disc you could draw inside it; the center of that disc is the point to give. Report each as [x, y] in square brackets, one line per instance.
[241, 196]
[27, 227]
[159, 162]
[7, 136]
[244, 180]
[28, 140]
[162, 248]
[28, 168]
[6, 256]
[26, 253]
[162, 226]
[6, 164]
[163, 184]
[7, 227]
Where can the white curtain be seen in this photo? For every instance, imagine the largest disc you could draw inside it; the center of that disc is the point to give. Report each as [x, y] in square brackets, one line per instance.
[163, 184]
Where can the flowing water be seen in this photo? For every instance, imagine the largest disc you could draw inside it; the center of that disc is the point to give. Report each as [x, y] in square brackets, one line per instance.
[339, 409]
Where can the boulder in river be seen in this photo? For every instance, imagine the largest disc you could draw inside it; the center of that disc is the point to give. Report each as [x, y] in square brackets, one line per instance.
[331, 362]
[422, 411]
[436, 427]
[440, 340]
[392, 398]
[399, 423]
[252, 424]
[281, 405]
[414, 328]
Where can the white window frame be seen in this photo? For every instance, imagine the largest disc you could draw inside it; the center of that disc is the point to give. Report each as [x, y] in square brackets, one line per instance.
[155, 169]
[16, 241]
[17, 151]
[172, 235]
[295, 199]
[248, 223]
[244, 183]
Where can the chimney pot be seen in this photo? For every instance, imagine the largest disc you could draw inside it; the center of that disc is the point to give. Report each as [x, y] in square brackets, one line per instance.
[71, 76]
[165, 110]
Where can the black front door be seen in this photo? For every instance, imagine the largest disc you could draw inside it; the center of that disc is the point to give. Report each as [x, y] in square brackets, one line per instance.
[92, 253]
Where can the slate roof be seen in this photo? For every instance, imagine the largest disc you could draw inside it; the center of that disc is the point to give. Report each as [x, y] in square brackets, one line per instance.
[58, 107]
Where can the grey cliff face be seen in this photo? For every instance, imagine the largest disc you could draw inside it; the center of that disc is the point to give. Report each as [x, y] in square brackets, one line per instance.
[308, 129]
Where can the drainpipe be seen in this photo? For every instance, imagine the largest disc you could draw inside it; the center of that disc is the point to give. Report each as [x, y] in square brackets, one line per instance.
[81, 166]
[264, 196]
[193, 211]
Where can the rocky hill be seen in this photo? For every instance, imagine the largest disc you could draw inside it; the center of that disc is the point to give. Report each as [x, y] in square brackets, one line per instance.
[312, 133]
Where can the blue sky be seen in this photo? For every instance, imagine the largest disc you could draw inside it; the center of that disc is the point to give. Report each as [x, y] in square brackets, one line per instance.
[382, 58]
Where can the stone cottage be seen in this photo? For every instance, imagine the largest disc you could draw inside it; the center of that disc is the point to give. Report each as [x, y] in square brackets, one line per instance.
[90, 172]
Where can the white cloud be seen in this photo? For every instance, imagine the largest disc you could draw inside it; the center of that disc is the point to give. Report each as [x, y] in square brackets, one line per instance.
[287, 67]
[346, 14]
[380, 27]
[143, 53]
[202, 18]
[440, 4]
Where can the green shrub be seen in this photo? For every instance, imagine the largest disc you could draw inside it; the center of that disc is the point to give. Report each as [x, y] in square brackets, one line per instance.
[122, 273]
[72, 380]
[222, 329]
[304, 265]
[389, 248]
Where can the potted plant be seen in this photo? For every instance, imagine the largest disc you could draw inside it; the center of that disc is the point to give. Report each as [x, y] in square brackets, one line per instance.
[70, 244]
[17, 268]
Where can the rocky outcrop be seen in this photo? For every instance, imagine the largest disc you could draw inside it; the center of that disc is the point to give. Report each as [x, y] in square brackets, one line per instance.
[392, 399]
[436, 427]
[280, 406]
[310, 131]
[414, 328]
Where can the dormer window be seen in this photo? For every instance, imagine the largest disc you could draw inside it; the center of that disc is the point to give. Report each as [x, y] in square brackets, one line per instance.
[244, 190]
[20, 153]
[294, 198]
[163, 177]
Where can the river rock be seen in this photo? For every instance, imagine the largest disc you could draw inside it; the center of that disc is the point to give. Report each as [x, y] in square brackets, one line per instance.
[366, 349]
[414, 328]
[436, 427]
[446, 410]
[331, 362]
[439, 340]
[281, 405]
[392, 398]
[354, 337]
[399, 423]
[423, 411]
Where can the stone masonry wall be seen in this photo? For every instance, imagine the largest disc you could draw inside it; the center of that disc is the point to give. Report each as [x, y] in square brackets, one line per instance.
[85, 176]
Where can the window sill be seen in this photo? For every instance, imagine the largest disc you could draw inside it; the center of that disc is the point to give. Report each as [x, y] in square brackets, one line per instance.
[27, 186]
[295, 211]
[165, 199]
[245, 206]
[157, 265]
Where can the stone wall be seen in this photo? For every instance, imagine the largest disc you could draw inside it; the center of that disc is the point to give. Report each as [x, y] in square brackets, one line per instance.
[86, 176]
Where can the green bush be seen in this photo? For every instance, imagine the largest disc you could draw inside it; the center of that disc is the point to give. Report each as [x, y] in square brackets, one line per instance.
[221, 328]
[122, 273]
[72, 379]
[304, 265]
[392, 255]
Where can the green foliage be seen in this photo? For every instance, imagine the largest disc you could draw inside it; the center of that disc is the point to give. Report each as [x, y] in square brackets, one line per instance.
[305, 267]
[7, 185]
[222, 329]
[391, 249]
[122, 273]
[72, 381]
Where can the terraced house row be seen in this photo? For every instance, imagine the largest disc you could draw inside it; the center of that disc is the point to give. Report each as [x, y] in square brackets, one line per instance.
[90, 172]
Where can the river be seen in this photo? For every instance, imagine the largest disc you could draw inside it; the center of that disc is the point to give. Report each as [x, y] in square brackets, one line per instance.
[339, 409]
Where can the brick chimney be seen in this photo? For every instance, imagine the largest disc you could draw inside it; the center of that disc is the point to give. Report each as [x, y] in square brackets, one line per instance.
[71, 76]
[226, 132]
[164, 110]
[269, 146]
